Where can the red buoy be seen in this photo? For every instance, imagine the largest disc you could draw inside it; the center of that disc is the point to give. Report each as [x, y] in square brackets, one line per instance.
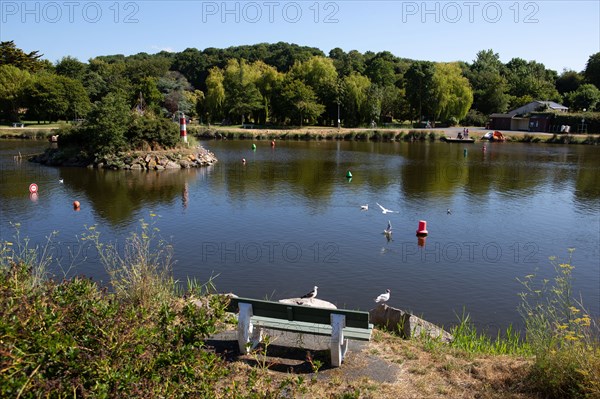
[422, 230]
[273, 143]
[76, 205]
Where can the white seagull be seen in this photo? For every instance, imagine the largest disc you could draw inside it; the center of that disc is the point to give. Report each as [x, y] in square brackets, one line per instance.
[311, 294]
[61, 181]
[383, 297]
[385, 210]
[388, 230]
[364, 207]
[449, 211]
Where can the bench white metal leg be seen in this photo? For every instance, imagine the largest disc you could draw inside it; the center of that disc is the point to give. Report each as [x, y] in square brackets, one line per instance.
[247, 332]
[339, 345]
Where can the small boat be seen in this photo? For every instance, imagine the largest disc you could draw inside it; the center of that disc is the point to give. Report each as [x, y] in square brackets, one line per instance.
[494, 136]
[457, 140]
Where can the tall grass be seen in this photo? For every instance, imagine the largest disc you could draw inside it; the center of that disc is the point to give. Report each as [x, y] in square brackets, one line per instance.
[74, 338]
[467, 338]
[140, 274]
[563, 336]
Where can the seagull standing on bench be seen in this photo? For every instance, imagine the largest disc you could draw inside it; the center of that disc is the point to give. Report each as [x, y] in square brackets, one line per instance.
[310, 295]
[383, 297]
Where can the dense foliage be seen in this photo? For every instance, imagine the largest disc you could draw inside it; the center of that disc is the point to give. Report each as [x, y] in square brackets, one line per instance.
[285, 84]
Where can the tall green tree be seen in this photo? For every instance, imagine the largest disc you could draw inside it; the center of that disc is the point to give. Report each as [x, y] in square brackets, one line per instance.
[107, 124]
[13, 82]
[50, 97]
[419, 88]
[569, 81]
[592, 70]
[242, 96]
[587, 96]
[490, 88]
[452, 93]
[355, 103]
[10, 54]
[215, 95]
[530, 78]
[321, 75]
[71, 67]
[300, 101]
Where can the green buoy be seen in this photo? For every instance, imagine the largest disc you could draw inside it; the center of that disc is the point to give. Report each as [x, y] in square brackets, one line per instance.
[349, 175]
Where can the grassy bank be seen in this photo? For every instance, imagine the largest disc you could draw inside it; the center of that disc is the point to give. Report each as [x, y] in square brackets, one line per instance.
[388, 135]
[319, 133]
[145, 335]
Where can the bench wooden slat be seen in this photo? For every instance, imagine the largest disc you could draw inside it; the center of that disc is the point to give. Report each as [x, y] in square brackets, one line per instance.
[359, 334]
[276, 310]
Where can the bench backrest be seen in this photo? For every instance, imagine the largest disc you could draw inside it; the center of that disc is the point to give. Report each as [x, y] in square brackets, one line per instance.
[284, 311]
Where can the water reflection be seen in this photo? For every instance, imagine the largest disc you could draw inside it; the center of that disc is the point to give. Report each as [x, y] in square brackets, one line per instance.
[512, 207]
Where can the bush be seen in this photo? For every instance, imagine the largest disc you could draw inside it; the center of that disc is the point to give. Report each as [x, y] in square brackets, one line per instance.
[158, 133]
[474, 118]
[76, 339]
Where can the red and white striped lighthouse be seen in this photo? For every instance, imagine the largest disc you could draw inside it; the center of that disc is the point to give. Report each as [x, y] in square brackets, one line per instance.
[182, 129]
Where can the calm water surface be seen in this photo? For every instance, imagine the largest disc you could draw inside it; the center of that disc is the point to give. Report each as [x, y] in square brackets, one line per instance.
[289, 219]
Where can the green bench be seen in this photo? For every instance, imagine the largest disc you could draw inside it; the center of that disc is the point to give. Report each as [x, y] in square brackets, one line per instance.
[339, 324]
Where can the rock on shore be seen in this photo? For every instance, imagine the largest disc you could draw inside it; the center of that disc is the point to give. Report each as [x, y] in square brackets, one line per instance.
[181, 158]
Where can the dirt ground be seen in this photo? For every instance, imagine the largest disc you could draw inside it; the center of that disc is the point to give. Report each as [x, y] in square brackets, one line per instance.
[386, 367]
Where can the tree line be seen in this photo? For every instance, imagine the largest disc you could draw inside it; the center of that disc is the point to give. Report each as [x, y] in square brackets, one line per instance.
[285, 84]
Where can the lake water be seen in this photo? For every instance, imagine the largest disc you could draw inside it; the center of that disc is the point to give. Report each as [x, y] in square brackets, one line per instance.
[289, 219]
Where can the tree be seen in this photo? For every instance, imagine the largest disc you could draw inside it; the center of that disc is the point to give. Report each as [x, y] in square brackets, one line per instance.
[356, 110]
[568, 81]
[531, 79]
[490, 89]
[242, 97]
[11, 55]
[380, 69]
[394, 104]
[320, 74]
[268, 83]
[301, 101]
[587, 96]
[194, 65]
[107, 124]
[419, 87]
[51, 97]
[452, 93]
[13, 82]
[71, 67]
[592, 70]
[215, 94]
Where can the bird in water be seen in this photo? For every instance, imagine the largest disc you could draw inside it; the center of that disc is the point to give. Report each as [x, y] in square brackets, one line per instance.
[388, 230]
[385, 210]
[364, 207]
[311, 294]
[61, 181]
[383, 297]
[449, 212]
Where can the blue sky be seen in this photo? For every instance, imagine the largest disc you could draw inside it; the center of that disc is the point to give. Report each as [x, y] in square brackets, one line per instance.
[559, 34]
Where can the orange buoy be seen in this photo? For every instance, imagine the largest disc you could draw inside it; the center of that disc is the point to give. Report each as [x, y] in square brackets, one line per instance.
[422, 230]
[273, 143]
[76, 205]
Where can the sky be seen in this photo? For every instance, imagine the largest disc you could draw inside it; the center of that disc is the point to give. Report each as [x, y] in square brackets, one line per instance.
[560, 34]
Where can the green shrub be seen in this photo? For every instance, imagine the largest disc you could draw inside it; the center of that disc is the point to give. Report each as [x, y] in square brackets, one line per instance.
[76, 339]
